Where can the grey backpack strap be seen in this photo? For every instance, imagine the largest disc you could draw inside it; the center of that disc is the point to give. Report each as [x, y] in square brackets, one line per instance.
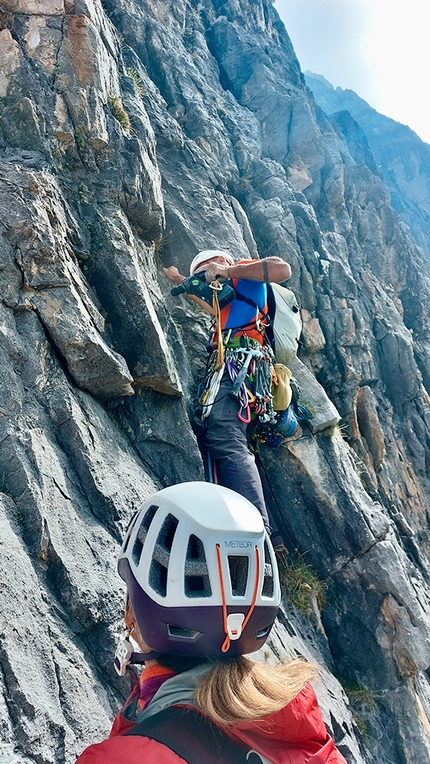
[193, 737]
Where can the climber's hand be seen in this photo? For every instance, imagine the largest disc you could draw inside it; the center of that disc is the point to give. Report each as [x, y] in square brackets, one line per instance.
[173, 274]
[212, 270]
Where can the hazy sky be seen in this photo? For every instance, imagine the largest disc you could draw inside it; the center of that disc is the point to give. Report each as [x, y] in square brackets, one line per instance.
[379, 48]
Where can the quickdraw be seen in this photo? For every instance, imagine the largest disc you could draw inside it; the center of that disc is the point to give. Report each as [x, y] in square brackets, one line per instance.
[250, 370]
[211, 385]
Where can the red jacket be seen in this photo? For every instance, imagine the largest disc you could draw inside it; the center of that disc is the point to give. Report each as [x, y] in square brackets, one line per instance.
[294, 735]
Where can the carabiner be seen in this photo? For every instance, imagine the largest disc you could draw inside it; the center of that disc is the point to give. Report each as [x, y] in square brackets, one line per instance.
[248, 415]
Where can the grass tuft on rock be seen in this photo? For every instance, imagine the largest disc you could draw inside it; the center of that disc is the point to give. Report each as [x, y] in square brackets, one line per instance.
[119, 112]
[135, 76]
[301, 583]
[362, 702]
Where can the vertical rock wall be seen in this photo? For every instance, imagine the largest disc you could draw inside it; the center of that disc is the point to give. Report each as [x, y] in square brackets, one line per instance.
[132, 134]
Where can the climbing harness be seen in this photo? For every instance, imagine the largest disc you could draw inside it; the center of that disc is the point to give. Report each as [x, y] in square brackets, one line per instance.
[260, 384]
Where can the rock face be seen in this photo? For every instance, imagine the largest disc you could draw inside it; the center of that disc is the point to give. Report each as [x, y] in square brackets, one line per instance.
[133, 134]
[402, 158]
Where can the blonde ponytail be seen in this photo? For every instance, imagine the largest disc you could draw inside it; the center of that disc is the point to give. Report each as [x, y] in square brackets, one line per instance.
[241, 690]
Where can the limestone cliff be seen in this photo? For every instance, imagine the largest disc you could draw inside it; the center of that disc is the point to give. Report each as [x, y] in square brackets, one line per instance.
[132, 134]
[401, 156]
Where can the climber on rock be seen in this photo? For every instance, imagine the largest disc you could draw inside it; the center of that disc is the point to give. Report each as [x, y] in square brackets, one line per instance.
[239, 372]
[203, 590]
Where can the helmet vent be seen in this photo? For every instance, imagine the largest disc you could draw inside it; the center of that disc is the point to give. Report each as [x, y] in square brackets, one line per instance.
[238, 566]
[142, 533]
[177, 631]
[262, 633]
[161, 556]
[129, 529]
[196, 580]
[268, 583]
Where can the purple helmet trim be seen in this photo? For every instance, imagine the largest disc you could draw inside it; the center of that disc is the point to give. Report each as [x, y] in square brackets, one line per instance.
[207, 620]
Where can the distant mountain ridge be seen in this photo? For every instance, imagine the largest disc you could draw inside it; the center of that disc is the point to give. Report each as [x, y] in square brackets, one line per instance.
[401, 156]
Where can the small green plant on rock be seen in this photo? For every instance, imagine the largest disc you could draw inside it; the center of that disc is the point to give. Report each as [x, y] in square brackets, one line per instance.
[79, 141]
[119, 112]
[55, 71]
[160, 243]
[94, 232]
[135, 76]
[301, 583]
[361, 701]
[222, 111]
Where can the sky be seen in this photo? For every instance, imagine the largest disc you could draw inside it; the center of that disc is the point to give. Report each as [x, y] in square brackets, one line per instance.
[378, 48]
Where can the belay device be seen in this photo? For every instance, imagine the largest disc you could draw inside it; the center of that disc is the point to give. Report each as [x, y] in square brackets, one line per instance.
[196, 285]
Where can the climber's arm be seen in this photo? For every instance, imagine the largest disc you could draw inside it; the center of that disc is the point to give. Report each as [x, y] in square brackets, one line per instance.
[272, 269]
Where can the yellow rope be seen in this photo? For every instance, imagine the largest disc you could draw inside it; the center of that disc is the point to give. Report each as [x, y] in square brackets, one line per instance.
[217, 311]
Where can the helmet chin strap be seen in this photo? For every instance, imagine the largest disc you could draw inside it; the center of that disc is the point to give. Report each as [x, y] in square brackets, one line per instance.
[142, 657]
[124, 655]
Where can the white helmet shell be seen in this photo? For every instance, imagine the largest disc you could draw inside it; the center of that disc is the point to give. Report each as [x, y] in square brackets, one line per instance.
[201, 572]
[209, 254]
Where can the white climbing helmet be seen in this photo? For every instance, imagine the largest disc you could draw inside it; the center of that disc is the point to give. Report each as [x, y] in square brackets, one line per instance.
[201, 572]
[208, 254]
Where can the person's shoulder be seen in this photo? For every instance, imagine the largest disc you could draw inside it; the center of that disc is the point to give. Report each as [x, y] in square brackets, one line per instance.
[302, 715]
[130, 748]
[305, 702]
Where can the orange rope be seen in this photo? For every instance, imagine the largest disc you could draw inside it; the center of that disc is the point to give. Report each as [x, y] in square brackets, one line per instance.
[217, 311]
[226, 643]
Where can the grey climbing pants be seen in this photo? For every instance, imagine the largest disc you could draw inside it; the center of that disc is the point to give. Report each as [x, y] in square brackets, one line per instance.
[228, 445]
